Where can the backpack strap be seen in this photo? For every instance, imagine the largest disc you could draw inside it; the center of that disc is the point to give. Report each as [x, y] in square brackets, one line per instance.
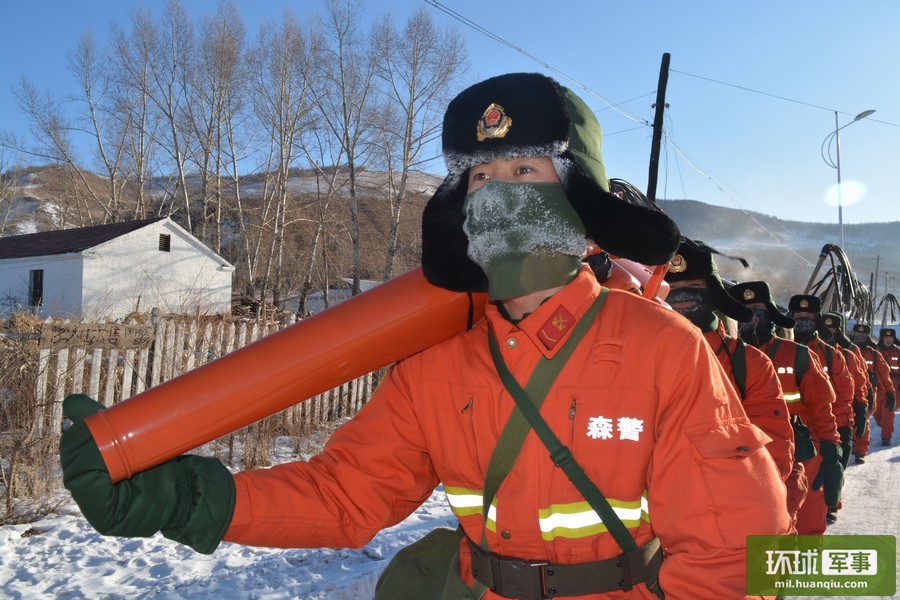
[801, 362]
[739, 367]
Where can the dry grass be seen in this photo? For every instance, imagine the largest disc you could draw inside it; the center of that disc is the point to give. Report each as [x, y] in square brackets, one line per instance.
[28, 467]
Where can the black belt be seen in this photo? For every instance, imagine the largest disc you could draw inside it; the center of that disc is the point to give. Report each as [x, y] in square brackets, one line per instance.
[542, 580]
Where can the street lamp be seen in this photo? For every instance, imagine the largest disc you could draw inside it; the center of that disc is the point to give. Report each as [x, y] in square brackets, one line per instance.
[836, 164]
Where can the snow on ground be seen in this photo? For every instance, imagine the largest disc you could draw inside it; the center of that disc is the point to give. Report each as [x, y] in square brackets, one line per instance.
[61, 556]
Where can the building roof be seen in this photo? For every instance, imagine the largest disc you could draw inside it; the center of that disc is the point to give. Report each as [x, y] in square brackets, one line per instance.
[66, 241]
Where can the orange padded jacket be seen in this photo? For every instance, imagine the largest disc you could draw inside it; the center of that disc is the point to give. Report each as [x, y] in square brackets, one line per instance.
[642, 403]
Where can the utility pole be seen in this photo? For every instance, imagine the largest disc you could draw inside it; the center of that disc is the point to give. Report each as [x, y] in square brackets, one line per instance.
[657, 126]
[875, 287]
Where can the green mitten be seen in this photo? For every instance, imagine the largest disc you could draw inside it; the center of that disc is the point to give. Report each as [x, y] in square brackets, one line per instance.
[860, 418]
[189, 498]
[890, 401]
[831, 473]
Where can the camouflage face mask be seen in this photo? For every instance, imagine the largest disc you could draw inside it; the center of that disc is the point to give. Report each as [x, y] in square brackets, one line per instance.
[525, 236]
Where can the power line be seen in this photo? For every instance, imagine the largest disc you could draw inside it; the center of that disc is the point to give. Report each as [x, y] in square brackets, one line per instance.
[786, 99]
[691, 163]
[490, 34]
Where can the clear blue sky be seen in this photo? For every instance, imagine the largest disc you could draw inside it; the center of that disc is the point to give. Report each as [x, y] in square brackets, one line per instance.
[752, 89]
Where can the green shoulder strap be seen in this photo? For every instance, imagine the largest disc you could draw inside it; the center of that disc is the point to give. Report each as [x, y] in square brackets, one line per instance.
[562, 456]
[801, 362]
[739, 367]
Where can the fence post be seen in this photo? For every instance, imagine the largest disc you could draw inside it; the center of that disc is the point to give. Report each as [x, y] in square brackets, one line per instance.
[112, 368]
[190, 357]
[157, 346]
[94, 385]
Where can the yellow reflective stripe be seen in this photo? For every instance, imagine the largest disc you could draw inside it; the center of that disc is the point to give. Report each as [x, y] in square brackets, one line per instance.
[792, 396]
[578, 519]
[464, 502]
[491, 522]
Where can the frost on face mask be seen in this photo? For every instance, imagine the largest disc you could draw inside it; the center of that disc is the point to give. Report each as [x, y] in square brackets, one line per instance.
[505, 220]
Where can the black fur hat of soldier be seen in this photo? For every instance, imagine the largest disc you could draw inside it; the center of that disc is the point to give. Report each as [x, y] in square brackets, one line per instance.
[866, 331]
[805, 303]
[531, 115]
[835, 321]
[694, 260]
[886, 332]
[751, 292]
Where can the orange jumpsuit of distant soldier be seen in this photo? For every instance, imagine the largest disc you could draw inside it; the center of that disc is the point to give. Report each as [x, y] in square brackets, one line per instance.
[835, 365]
[657, 427]
[857, 365]
[875, 363]
[891, 356]
[763, 400]
[811, 401]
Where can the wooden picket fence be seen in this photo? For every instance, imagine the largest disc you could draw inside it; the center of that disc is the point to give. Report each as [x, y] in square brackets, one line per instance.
[112, 362]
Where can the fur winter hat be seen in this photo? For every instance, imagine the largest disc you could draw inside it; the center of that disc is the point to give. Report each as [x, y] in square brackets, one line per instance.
[530, 115]
[751, 292]
[694, 260]
[805, 303]
[834, 322]
[864, 330]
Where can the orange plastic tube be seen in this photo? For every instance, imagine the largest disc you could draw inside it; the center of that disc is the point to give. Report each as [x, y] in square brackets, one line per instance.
[379, 327]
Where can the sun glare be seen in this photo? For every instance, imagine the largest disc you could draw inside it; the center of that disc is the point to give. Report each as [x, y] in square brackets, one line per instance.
[851, 193]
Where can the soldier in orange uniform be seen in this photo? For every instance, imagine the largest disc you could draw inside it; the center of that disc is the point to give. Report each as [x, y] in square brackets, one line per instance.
[809, 397]
[832, 331]
[806, 311]
[885, 394]
[887, 345]
[657, 427]
[696, 293]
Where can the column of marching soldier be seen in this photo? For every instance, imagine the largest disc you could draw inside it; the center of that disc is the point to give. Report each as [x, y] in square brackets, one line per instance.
[803, 381]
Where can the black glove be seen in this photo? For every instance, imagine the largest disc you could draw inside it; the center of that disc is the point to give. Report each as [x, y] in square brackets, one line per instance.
[190, 498]
[831, 473]
[890, 401]
[860, 419]
[846, 445]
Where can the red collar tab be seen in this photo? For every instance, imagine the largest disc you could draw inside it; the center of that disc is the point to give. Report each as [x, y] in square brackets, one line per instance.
[554, 329]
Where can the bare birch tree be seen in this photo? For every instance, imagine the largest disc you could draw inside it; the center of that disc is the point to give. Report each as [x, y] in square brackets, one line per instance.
[215, 103]
[91, 70]
[132, 55]
[280, 67]
[320, 154]
[171, 43]
[51, 129]
[419, 67]
[8, 190]
[347, 66]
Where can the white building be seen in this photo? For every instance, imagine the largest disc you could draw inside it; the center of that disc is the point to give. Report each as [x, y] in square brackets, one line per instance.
[108, 271]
